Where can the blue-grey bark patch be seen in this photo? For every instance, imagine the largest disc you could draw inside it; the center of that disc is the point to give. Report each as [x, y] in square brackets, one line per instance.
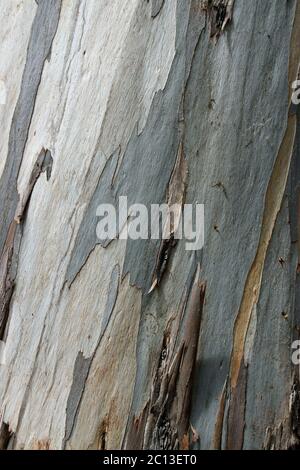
[217, 129]
[268, 382]
[42, 34]
[146, 167]
[80, 374]
[111, 299]
[294, 218]
[278, 316]
[86, 238]
[237, 124]
[48, 164]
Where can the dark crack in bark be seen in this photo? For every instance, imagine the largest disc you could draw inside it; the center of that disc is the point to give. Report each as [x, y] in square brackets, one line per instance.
[219, 13]
[156, 7]
[5, 436]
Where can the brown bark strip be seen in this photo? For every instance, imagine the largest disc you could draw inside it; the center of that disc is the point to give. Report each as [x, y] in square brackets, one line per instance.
[43, 164]
[136, 432]
[273, 438]
[236, 416]
[175, 196]
[167, 424]
[5, 435]
[102, 434]
[42, 445]
[7, 280]
[218, 433]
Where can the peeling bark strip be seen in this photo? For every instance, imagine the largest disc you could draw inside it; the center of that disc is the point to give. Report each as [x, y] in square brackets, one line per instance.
[7, 278]
[39, 48]
[134, 440]
[38, 51]
[80, 374]
[236, 415]
[10, 253]
[167, 425]
[273, 438]
[219, 13]
[5, 435]
[43, 164]
[218, 433]
[150, 156]
[102, 434]
[286, 434]
[175, 195]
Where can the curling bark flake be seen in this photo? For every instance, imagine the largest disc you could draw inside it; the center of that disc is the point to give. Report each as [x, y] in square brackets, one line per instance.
[7, 278]
[165, 421]
[175, 201]
[219, 13]
[43, 164]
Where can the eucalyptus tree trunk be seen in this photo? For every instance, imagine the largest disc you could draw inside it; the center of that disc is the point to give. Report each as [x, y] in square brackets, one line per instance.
[142, 343]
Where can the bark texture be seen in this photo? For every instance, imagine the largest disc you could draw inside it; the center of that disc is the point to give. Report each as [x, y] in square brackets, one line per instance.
[143, 344]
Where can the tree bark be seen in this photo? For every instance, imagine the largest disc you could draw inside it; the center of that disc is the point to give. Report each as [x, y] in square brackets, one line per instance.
[142, 344]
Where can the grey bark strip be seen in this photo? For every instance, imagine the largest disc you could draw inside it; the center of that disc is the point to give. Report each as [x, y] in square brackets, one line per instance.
[10, 253]
[42, 34]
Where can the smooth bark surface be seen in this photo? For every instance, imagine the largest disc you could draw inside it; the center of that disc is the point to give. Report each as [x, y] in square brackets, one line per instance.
[140, 343]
